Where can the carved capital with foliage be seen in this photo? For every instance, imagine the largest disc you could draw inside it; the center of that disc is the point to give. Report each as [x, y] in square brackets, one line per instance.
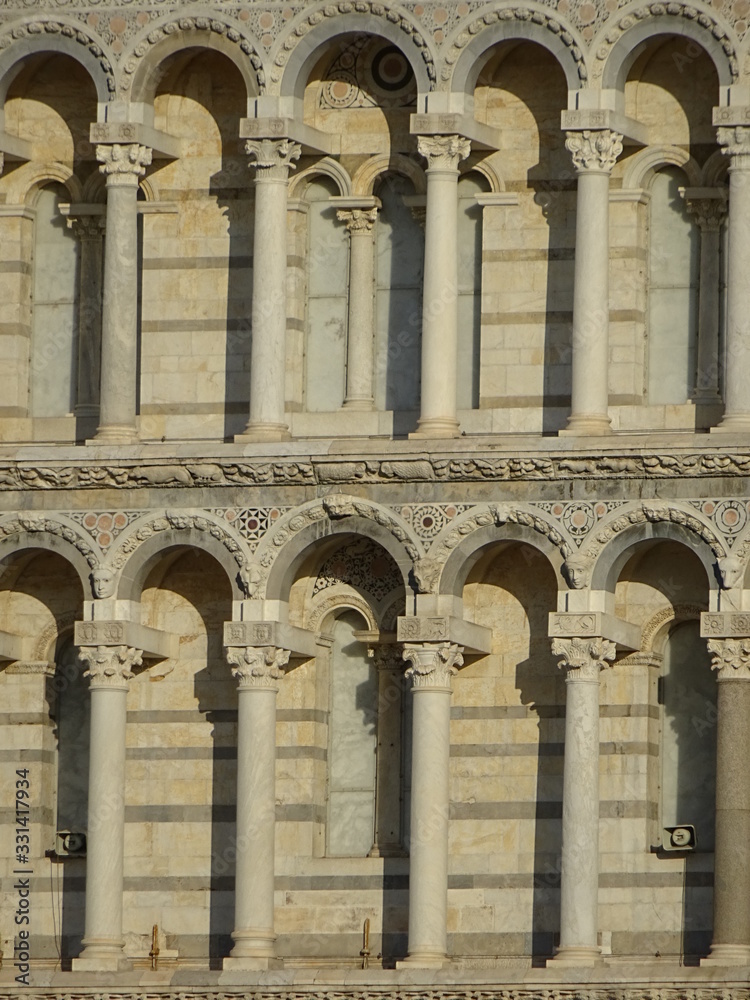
[109, 666]
[257, 666]
[584, 658]
[432, 664]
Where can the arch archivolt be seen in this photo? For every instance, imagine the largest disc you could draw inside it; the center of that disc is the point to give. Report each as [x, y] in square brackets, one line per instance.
[366, 177]
[29, 37]
[25, 183]
[326, 167]
[654, 630]
[341, 598]
[204, 30]
[641, 168]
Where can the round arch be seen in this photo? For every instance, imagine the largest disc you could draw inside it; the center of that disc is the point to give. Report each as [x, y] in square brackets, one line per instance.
[140, 563]
[611, 560]
[326, 608]
[327, 167]
[367, 175]
[477, 53]
[635, 39]
[142, 75]
[41, 542]
[473, 546]
[309, 48]
[57, 38]
[26, 183]
[299, 548]
[642, 167]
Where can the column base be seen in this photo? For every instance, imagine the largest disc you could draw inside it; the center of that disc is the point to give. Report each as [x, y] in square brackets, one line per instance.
[422, 960]
[586, 423]
[575, 956]
[254, 433]
[114, 435]
[736, 423]
[727, 954]
[102, 958]
[366, 403]
[252, 950]
[437, 427]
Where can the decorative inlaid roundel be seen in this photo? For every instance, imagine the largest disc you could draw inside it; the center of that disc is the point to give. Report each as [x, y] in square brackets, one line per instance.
[390, 70]
[367, 74]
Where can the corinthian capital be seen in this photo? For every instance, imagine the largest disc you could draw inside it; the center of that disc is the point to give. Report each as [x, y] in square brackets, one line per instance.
[273, 157]
[583, 658]
[86, 227]
[735, 142]
[109, 666]
[123, 164]
[594, 150]
[432, 663]
[443, 152]
[709, 213]
[257, 666]
[730, 658]
[358, 220]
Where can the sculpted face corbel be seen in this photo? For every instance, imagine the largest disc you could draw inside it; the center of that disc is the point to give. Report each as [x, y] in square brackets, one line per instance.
[577, 571]
[102, 582]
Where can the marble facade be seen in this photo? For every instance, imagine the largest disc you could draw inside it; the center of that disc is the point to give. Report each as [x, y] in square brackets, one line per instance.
[374, 516]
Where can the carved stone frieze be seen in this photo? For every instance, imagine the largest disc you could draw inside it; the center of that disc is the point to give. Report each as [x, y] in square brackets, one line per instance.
[722, 624]
[492, 991]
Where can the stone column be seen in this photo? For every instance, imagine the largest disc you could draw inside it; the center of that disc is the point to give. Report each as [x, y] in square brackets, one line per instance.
[123, 166]
[594, 155]
[257, 669]
[731, 936]
[579, 887]
[440, 296]
[109, 669]
[432, 666]
[359, 345]
[273, 160]
[736, 143]
[388, 775]
[709, 213]
[89, 229]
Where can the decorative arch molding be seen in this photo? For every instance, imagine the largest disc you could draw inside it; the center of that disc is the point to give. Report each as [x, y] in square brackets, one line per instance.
[664, 617]
[621, 41]
[366, 177]
[613, 541]
[26, 183]
[286, 546]
[47, 640]
[469, 48]
[327, 167]
[457, 547]
[641, 168]
[143, 543]
[296, 50]
[343, 598]
[140, 64]
[19, 41]
[489, 169]
[46, 534]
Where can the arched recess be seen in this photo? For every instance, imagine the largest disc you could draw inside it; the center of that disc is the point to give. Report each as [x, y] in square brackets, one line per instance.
[58, 38]
[617, 551]
[137, 567]
[172, 37]
[635, 39]
[25, 183]
[294, 553]
[327, 167]
[308, 50]
[641, 168]
[368, 175]
[476, 54]
[473, 546]
[14, 546]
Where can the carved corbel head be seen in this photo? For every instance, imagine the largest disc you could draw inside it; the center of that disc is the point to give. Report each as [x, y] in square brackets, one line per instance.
[102, 582]
[576, 570]
[426, 574]
[731, 571]
[249, 580]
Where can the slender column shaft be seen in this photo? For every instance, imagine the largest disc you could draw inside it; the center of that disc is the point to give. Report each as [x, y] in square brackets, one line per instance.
[89, 230]
[709, 214]
[594, 155]
[273, 160]
[731, 933]
[579, 887]
[736, 143]
[109, 669]
[257, 669]
[359, 345]
[438, 406]
[388, 777]
[123, 166]
[432, 666]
